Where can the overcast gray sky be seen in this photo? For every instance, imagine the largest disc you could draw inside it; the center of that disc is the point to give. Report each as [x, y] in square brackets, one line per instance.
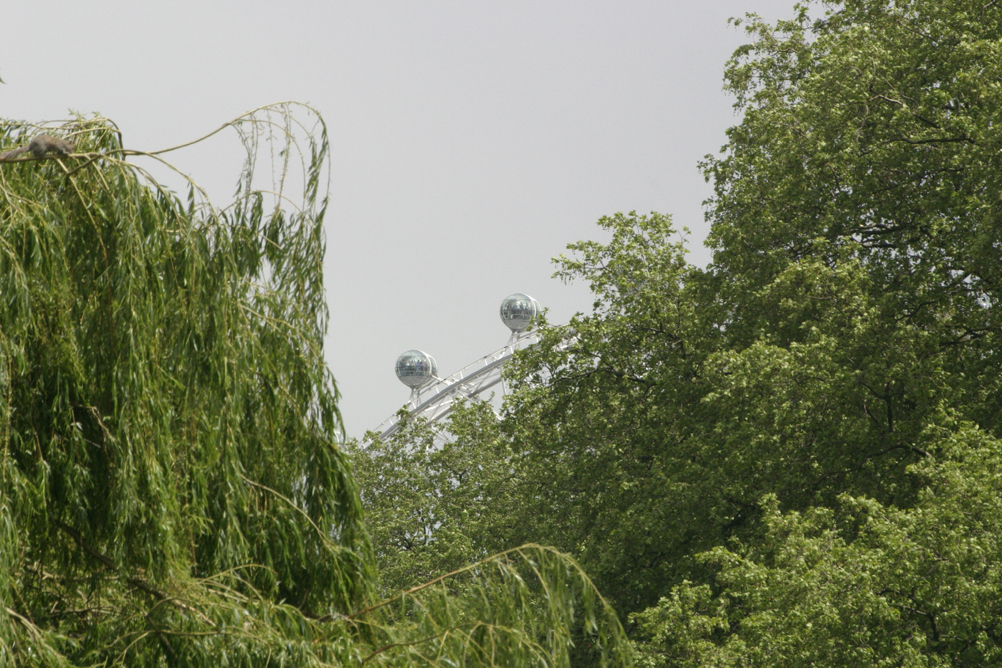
[471, 141]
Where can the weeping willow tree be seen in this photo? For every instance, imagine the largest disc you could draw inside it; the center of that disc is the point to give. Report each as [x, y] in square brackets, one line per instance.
[171, 490]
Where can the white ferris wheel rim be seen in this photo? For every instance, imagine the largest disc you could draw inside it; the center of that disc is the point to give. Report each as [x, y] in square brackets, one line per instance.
[435, 399]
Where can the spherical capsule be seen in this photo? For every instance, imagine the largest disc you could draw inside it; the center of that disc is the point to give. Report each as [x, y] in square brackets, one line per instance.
[415, 368]
[518, 310]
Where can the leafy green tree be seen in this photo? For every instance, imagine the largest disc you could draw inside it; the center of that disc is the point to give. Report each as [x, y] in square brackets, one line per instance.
[849, 303]
[172, 490]
[789, 457]
[868, 147]
[873, 132]
[434, 505]
[860, 584]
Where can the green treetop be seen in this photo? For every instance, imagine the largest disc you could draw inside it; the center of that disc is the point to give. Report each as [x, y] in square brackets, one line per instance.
[791, 456]
[171, 489]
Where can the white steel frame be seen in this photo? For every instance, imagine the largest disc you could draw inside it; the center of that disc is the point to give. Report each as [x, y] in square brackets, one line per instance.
[436, 399]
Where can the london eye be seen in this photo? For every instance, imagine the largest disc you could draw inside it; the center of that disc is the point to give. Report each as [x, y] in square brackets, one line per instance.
[433, 397]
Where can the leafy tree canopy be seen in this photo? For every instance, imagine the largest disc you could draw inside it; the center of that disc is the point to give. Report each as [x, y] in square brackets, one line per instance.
[171, 488]
[790, 457]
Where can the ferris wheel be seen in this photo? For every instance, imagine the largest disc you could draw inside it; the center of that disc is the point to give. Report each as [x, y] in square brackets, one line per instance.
[433, 398]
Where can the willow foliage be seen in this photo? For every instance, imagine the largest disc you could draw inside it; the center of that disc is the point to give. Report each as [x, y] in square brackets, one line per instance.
[172, 491]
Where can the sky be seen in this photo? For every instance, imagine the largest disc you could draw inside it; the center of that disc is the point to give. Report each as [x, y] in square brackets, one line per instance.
[470, 141]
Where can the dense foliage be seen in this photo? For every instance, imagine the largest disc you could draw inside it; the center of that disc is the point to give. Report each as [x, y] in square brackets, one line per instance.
[790, 457]
[171, 489]
[415, 486]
